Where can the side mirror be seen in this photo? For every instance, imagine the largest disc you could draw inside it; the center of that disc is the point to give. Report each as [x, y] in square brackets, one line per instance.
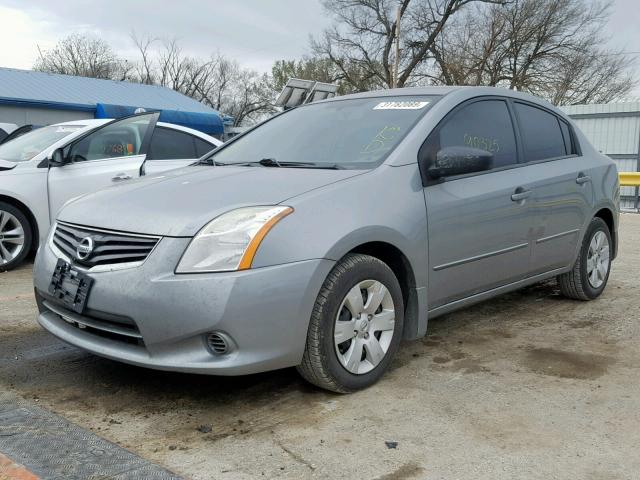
[57, 158]
[458, 161]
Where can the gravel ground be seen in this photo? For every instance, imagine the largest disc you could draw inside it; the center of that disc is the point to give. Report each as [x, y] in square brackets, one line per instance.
[528, 385]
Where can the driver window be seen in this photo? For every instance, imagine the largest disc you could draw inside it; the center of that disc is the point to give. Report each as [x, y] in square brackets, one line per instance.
[485, 125]
[118, 139]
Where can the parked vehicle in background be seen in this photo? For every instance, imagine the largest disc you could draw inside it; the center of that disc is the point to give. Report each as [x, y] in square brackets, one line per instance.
[330, 232]
[19, 131]
[6, 129]
[43, 169]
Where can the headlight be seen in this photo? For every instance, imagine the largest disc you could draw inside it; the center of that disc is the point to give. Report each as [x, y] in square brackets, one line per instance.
[230, 241]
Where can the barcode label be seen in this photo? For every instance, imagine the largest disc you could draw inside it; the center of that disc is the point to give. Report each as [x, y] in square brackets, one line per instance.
[412, 105]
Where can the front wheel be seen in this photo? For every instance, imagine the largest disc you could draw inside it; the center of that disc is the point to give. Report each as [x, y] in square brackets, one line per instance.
[590, 274]
[356, 326]
[15, 236]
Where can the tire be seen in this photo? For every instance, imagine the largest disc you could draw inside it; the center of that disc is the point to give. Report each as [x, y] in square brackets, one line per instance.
[340, 368]
[580, 283]
[14, 228]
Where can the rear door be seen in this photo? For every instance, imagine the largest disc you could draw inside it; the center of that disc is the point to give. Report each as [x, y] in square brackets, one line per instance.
[108, 155]
[171, 148]
[478, 223]
[562, 185]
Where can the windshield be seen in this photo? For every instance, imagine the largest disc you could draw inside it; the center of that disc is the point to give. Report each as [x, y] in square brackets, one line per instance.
[27, 146]
[356, 133]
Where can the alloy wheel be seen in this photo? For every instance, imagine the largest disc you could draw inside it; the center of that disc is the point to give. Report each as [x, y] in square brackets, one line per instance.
[11, 237]
[364, 326]
[598, 259]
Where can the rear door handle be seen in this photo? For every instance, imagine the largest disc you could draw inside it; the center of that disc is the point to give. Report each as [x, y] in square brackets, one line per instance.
[582, 178]
[520, 194]
[120, 177]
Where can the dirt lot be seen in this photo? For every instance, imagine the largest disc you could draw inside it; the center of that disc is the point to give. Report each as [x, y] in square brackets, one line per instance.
[529, 385]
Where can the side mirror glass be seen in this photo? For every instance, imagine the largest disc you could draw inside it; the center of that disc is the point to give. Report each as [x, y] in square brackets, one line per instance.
[57, 158]
[458, 161]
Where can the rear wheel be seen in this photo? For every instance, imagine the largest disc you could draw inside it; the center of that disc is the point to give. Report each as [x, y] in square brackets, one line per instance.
[590, 274]
[16, 236]
[355, 327]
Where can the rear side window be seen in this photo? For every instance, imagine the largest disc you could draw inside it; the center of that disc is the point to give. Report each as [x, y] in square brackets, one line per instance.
[566, 136]
[485, 124]
[167, 144]
[202, 147]
[541, 133]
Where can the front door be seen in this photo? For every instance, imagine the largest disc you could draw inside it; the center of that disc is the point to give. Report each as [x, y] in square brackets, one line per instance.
[111, 154]
[479, 224]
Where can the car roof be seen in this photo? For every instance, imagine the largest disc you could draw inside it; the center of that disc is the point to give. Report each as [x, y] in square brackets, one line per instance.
[85, 122]
[468, 91]
[393, 92]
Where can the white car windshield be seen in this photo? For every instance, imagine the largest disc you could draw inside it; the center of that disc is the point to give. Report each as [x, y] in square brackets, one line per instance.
[27, 146]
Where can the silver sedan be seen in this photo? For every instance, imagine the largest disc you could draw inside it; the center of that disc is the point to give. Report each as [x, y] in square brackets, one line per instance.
[326, 235]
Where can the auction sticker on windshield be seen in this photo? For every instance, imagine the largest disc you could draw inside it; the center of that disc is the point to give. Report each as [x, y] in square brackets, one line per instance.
[409, 105]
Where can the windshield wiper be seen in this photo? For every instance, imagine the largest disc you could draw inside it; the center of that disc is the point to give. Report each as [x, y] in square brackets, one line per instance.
[210, 161]
[271, 162]
[265, 162]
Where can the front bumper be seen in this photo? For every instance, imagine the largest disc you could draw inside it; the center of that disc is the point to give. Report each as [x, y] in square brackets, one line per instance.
[264, 311]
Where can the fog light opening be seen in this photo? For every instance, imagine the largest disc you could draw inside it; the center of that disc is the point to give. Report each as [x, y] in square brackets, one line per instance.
[218, 343]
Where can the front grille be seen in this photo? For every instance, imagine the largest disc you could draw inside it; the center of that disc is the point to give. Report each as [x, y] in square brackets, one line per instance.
[120, 329]
[108, 247]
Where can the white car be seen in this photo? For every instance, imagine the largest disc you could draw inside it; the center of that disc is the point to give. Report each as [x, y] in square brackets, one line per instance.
[6, 129]
[41, 170]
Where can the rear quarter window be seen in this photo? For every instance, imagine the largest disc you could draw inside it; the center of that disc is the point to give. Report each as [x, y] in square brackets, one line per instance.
[567, 137]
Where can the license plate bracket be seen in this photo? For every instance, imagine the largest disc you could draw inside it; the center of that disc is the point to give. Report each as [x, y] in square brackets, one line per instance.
[70, 286]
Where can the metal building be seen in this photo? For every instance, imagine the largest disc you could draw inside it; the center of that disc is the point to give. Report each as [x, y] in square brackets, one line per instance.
[28, 97]
[614, 129]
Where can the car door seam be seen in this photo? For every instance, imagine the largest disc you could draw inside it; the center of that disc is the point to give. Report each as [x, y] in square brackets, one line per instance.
[480, 257]
[557, 235]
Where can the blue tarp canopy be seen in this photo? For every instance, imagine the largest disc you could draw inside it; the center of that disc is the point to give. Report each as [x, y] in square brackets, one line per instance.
[209, 123]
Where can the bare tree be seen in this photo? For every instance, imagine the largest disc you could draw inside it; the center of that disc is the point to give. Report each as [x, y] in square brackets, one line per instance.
[251, 98]
[598, 77]
[319, 69]
[360, 43]
[84, 56]
[241, 93]
[552, 48]
[217, 81]
[144, 70]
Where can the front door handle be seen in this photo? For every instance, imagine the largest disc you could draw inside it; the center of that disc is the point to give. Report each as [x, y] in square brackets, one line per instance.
[582, 179]
[120, 177]
[520, 194]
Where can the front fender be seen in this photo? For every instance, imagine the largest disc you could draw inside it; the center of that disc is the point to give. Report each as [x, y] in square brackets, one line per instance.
[385, 205]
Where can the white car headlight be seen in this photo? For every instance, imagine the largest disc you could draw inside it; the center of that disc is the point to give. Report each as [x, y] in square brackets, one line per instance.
[230, 241]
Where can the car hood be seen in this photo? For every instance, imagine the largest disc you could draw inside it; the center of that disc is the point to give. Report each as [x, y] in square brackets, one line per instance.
[180, 202]
[7, 165]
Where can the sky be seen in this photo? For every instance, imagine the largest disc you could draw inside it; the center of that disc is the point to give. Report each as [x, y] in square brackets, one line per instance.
[253, 32]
